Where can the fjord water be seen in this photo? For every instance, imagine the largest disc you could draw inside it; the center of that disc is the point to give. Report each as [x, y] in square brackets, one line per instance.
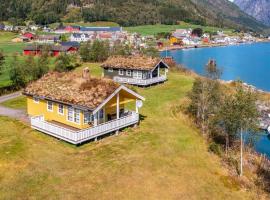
[247, 62]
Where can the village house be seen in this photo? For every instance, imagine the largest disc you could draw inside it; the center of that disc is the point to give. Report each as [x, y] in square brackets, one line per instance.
[54, 50]
[29, 35]
[91, 30]
[80, 37]
[67, 29]
[47, 39]
[136, 70]
[77, 108]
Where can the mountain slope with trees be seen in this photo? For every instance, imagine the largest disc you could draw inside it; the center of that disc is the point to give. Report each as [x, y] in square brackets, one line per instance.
[130, 12]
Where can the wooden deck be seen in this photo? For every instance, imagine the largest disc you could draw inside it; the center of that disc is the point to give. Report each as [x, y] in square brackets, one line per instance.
[79, 136]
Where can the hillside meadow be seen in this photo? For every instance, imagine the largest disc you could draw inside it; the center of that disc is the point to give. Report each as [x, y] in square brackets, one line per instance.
[165, 157]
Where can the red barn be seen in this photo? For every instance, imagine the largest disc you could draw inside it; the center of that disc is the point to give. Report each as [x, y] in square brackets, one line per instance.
[53, 50]
[29, 35]
[72, 29]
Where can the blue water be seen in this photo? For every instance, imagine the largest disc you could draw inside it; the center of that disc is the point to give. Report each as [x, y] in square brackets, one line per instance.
[248, 62]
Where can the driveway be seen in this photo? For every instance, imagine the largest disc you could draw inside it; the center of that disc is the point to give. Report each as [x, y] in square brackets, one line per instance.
[10, 112]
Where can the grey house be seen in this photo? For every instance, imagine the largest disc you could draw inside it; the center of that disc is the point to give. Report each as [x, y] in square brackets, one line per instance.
[136, 70]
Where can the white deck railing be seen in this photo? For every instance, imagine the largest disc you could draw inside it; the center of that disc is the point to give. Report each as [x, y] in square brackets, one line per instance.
[141, 82]
[77, 137]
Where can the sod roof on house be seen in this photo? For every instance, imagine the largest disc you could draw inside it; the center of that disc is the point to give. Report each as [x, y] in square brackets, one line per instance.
[71, 88]
[131, 62]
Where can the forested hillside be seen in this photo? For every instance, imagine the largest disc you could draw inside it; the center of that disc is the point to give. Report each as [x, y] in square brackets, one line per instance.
[128, 12]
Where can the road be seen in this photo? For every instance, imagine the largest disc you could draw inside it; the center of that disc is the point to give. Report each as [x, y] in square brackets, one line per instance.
[10, 112]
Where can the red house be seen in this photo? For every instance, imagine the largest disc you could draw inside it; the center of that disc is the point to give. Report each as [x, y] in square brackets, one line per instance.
[53, 50]
[72, 29]
[29, 35]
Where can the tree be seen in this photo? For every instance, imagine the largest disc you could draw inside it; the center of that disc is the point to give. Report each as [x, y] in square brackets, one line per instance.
[205, 99]
[239, 113]
[197, 32]
[85, 51]
[151, 51]
[100, 51]
[65, 63]
[17, 73]
[2, 61]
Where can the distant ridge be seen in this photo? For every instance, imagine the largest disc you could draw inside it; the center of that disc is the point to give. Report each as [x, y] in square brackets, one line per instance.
[259, 9]
[130, 12]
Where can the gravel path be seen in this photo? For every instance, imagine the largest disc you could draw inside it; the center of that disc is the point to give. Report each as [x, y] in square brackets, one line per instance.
[10, 112]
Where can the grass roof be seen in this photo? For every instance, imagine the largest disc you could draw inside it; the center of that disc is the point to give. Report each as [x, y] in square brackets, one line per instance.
[71, 88]
[131, 62]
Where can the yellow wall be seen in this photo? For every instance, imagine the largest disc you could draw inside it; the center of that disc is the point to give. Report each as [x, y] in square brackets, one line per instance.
[174, 40]
[40, 108]
[36, 109]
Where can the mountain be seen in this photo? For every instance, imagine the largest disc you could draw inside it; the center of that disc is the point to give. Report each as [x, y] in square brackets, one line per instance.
[129, 12]
[259, 9]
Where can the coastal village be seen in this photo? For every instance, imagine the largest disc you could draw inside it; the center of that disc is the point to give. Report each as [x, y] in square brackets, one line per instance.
[95, 104]
[68, 38]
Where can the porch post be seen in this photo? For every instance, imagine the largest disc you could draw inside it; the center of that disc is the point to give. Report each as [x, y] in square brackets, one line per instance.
[117, 106]
[95, 119]
[158, 71]
[137, 109]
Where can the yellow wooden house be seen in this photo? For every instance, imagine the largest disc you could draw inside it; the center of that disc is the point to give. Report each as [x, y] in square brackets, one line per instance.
[77, 108]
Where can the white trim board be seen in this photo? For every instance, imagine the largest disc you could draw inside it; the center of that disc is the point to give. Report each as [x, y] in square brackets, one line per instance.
[122, 87]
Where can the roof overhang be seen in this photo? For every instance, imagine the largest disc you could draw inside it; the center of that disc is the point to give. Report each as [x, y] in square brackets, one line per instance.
[122, 87]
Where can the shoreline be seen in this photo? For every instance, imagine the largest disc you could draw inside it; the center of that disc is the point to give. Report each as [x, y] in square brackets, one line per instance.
[177, 47]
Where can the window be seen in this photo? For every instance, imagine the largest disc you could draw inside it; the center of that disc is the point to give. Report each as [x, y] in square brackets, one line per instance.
[36, 100]
[128, 72]
[77, 116]
[87, 117]
[110, 70]
[121, 72]
[70, 114]
[61, 109]
[50, 106]
[101, 114]
[73, 115]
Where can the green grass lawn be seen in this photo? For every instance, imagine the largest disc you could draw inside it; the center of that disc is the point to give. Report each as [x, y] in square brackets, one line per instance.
[17, 103]
[7, 46]
[98, 23]
[154, 29]
[163, 158]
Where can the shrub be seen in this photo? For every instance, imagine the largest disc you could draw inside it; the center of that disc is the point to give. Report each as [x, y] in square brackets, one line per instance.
[215, 148]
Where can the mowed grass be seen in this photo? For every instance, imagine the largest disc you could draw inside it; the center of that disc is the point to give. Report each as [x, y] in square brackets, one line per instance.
[17, 103]
[158, 28]
[163, 158]
[7, 46]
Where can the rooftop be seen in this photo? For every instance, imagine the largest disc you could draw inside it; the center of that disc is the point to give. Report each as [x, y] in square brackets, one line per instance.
[131, 62]
[72, 88]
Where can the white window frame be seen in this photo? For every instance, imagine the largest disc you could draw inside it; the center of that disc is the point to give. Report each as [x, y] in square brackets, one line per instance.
[36, 100]
[110, 69]
[121, 72]
[73, 115]
[50, 110]
[68, 114]
[88, 119]
[77, 111]
[128, 72]
[63, 109]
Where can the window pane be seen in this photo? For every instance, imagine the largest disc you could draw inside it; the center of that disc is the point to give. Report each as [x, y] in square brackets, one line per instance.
[87, 117]
[70, 113]
[76, 115]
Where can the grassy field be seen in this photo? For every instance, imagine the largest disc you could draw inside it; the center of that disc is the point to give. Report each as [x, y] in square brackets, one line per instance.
[7, 46]
[98, 23]
[158, 28]
[163, 158]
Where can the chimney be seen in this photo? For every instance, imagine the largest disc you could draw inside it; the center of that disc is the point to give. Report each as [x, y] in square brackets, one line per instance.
[86, 73]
